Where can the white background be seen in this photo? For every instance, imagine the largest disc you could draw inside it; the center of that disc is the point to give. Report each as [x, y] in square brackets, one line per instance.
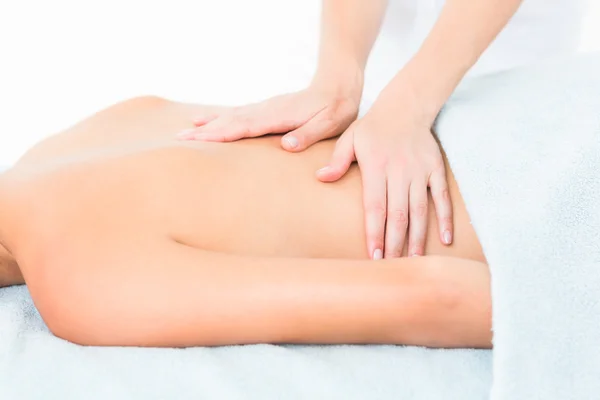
[61, 60]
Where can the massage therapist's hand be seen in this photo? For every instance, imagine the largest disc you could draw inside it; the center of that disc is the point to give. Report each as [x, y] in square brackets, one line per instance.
[321, 111]
[399, 159]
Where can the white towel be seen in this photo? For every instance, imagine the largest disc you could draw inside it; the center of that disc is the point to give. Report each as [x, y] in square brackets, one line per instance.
[525, 148]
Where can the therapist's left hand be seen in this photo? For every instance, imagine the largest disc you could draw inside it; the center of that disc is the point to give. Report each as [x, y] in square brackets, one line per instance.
[399, 160]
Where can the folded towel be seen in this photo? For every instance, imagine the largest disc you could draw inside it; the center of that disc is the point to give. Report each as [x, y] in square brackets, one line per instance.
[525, 149]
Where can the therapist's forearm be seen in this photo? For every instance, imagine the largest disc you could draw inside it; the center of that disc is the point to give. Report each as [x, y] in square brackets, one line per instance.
[464, 30]
[348, 31]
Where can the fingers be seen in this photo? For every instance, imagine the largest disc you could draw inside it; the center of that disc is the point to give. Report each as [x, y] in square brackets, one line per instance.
[204, 119]
[374, 199]
[417, 231]
[443, 204]
[308, 134]
[224, 128]
[397, 217]
[271, 116]
[342, 158]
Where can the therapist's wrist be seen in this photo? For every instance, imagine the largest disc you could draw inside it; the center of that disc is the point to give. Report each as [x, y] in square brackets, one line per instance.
[405, 95]
[341, 79]
[430, 80]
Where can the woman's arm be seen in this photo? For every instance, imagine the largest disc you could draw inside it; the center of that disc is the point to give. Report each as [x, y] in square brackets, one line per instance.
[348, 31]
[162, 293]
[463, 31]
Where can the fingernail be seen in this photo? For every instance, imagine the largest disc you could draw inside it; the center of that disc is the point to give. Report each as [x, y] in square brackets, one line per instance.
[415, 255]
[324, 170]
[291, 141]
[184, 133]
[447, 237]
[377, 254]
[201, 137]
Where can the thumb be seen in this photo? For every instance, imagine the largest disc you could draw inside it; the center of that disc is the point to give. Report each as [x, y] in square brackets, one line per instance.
[342, 158]
[308, 134]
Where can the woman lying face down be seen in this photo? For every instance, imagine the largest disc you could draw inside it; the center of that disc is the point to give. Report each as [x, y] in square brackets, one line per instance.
[126, 236]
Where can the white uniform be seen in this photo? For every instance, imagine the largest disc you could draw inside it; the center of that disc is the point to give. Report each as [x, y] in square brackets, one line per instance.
[540, 29]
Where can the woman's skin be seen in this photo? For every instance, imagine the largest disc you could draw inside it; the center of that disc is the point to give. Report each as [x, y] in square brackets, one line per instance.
[126, 236]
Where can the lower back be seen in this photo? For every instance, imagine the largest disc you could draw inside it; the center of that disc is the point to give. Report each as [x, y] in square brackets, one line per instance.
[248, 197]
[254, 198]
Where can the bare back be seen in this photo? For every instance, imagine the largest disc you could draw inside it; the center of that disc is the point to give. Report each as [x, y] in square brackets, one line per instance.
[122, 174]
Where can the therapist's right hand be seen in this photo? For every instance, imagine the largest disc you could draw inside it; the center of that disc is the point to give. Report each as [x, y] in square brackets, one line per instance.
[321, 111]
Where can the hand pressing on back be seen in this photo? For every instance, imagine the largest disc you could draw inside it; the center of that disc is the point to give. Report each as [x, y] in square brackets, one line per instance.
[319, 112]
[398, 156]
[400, 161]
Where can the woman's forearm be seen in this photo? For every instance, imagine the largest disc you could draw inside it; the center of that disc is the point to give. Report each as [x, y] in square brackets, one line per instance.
[463, 31]
[422, 301]
[348, 31]
[177, 296]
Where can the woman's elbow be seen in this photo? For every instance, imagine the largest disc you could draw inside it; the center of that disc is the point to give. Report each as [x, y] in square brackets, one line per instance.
[456, 306]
